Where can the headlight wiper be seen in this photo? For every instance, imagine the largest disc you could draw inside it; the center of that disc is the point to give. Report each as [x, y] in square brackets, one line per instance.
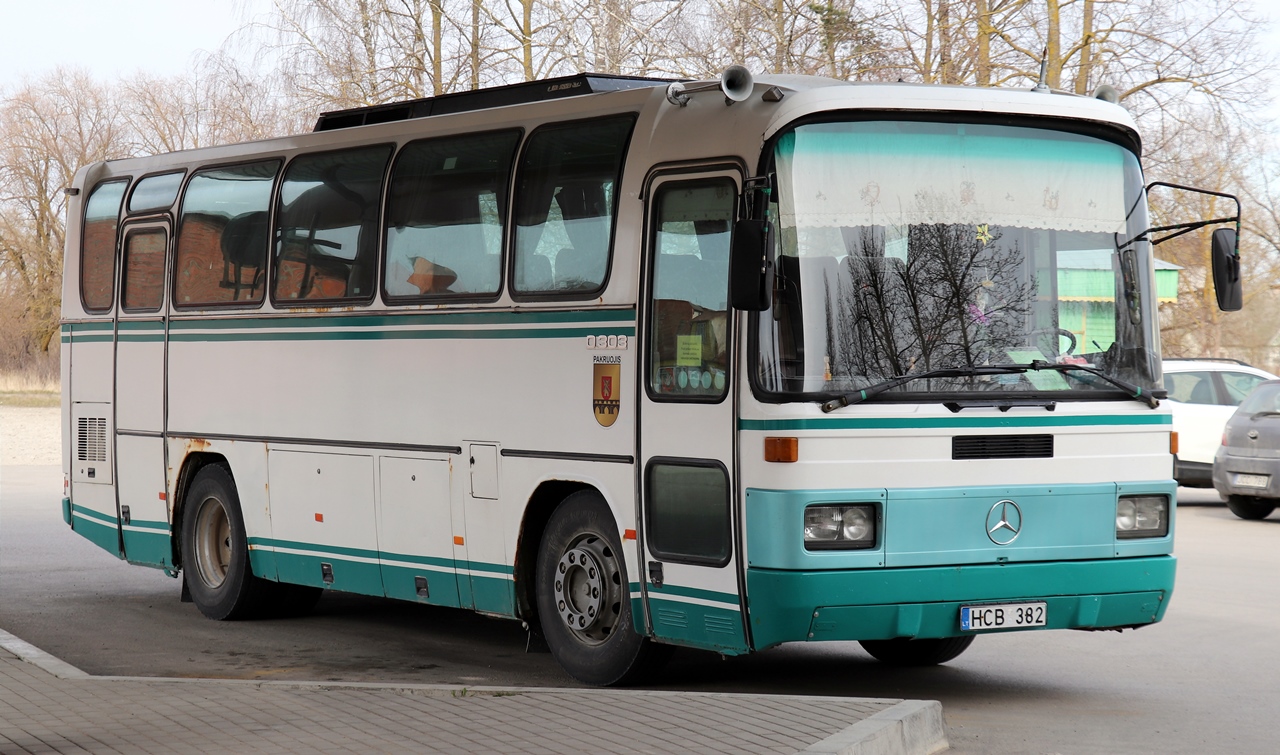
[858, 396]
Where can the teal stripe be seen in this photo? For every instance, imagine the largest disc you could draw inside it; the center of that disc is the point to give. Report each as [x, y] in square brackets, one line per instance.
[389, 321]
[693, 592]
[401, 335]
[162, 526]
[80, 327]
[148, 325]
[140, 338]
[898, 423]
[336, 550]
[91, 514]
[88, 339]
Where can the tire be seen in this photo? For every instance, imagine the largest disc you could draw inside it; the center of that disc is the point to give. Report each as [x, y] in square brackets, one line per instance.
[288, 601]
[215, 551]
[583, 595]
[903, 652]
[1250, 508]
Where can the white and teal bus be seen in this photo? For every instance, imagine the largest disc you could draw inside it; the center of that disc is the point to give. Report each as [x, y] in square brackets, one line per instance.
[640, 363]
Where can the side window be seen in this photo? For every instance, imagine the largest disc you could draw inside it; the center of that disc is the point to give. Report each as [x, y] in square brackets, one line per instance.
[222, 236]
[1190, 387]
[155, 192]
[688, 512]
[445, 210]
[689, 316]
[1239, 385]
[327, 221]
[566, 197]
[142, 289]
[98, 245]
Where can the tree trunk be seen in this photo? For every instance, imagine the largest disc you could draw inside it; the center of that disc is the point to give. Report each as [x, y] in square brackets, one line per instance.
[1086, 49]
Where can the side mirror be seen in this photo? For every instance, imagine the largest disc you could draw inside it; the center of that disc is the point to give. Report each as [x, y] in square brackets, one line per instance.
[751, 265]
[1225, 262]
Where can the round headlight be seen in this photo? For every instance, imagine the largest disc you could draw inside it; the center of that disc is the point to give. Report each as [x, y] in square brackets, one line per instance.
[1126, 515]
[821, 523]
[857, 524]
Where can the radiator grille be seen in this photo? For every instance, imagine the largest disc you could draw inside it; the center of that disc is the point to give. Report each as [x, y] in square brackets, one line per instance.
[1002, 447]
[91, 439]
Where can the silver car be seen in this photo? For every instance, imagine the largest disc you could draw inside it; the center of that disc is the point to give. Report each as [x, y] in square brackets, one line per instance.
[1246, 469]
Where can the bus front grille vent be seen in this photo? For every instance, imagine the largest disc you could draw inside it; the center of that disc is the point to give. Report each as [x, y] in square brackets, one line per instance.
[1002, 447]
[91, 439]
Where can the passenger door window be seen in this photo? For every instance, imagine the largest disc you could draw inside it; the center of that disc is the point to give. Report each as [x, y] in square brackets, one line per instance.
[1190, 387]
[142, 289]
[566, 199]
[689, 317]
[1238, 385]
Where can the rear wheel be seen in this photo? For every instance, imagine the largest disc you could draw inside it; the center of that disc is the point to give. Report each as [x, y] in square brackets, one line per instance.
[215, 550]
[904, 652]
[584, 600]
[1250, 508]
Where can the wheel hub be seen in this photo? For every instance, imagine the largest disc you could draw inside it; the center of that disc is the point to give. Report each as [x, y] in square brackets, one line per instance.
[586, 589]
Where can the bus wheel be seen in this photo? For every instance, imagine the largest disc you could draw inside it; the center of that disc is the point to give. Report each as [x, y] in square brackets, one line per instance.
[903, 652]
[215, 551]
[1250, 508]
[584, 601]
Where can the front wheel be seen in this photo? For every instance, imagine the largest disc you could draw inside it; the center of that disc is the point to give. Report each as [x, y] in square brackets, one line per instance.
[215, 551]
[1250, 508]
[903, 652]
[584, 600]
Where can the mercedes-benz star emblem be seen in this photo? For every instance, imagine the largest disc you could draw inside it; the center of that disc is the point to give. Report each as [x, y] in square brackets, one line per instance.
[1004, 522]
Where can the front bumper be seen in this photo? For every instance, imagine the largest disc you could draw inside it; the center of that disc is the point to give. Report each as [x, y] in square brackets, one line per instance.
[878, 604]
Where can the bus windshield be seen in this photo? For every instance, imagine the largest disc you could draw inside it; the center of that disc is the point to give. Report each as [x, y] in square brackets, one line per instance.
[907, 247]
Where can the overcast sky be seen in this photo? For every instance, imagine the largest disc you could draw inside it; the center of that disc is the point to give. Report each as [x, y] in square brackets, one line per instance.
[112, 39]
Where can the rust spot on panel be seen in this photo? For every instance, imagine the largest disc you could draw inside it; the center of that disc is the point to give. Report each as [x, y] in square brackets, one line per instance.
[196, 445]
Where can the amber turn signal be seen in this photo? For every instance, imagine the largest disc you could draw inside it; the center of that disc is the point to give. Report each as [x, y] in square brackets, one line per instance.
[1173, 442]
[782, 449]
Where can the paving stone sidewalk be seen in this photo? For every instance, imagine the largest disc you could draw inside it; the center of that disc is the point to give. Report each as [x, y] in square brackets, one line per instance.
[47, 706]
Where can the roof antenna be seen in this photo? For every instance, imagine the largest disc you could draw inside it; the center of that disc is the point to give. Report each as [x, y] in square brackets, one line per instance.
[1044, 70]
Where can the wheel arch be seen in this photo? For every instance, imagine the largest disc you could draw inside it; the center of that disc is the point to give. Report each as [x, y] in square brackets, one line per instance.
[191, 465]
[537, 512]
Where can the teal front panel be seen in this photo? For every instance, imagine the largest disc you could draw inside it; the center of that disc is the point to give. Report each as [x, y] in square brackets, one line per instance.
[789, 606]
[936, 526]
[697, 618]
[948, 526]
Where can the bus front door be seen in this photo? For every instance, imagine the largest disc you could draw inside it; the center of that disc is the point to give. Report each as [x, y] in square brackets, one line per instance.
[689, 527]
[140, 394]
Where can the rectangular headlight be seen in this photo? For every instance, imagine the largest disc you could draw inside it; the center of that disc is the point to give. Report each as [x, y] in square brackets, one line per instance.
[843, 526]
[1142, 516]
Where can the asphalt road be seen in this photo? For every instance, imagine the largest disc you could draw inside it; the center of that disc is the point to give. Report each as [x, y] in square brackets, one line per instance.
[1204, 680]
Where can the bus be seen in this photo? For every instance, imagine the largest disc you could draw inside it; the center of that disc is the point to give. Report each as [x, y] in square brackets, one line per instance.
[641, 363]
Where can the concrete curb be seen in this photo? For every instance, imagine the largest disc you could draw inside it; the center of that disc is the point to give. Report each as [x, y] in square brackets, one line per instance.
[912, 727]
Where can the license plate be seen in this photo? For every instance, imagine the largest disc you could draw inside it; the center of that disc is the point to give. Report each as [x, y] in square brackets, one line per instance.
[1252, 480]
[1003, 616]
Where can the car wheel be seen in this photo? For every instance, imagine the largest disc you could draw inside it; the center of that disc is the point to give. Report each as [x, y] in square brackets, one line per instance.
[1250, 508]
[584, 600]
[904, 652]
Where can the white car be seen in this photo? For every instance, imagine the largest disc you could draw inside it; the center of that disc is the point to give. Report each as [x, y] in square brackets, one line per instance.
[1203, 394]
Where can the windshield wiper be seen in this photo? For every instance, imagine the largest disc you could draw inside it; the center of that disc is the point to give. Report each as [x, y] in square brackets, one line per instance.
[871, 391]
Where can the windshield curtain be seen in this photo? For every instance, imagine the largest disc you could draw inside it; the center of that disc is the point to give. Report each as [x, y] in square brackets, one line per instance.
[912, 246]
